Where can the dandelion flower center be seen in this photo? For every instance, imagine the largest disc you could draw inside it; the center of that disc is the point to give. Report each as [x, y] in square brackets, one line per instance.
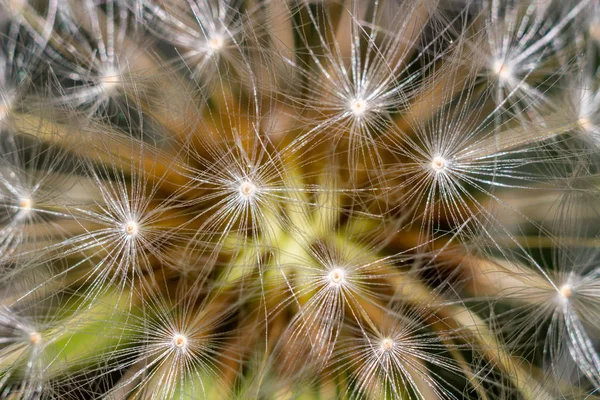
[179, 341]
[358, 107]
[438, 164]
[247, 189]
[337, 276]
[387, 345]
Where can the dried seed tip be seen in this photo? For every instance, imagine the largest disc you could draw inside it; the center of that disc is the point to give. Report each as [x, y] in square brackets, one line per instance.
[438, 164]
[131, 228]
[35, 338]
[387, 345]
[501, 70]
[337, 276]
[180, 341]
[358, 107]
[566, 291]
[247, 189]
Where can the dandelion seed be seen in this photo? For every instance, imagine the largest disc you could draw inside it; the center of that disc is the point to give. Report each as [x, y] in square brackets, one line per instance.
[90, 75]
[337, 276]
[566, 291]
[564, 308]
[110, 80]
[123, 224]
[29, 322]
[25, 204]
[387, 344]
[205, 33]
[358, 107]
[449, 164]
[32, 193]
[35, 338]
[177, 351]
[395, 361]
[354, 92]
[131, 228]
[25, 208]
[330, 282]
[180, 341]
[248, 189]
[583, 102]
[216, 43]
[241, 185]
[518, 45]
[502, 70]
[438, 164]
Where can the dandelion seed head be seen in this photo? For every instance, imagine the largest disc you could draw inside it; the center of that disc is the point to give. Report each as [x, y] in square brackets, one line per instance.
[439, 164]
[358, 107]
[175, 240]
[247, 189]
